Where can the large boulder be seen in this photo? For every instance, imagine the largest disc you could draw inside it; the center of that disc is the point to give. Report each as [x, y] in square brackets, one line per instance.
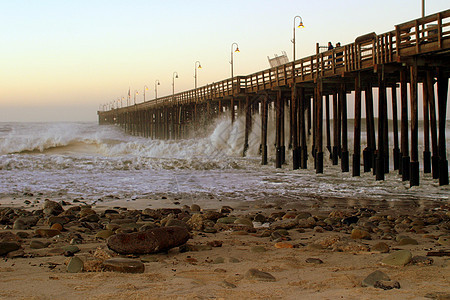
[150, 241]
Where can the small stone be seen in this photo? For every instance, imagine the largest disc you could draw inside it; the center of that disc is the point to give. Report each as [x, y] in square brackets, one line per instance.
[148, 258]
[233, 260]
[71, 249]
[52, 208]
[19, 225]
[215, 244]
[259, 275]
[124, 265]
[398, 258]
[35, 244]
[209, 230]
[386, 285]
[219, 260]
[75, 265]
[227, 220]
[57, 226]
[358, 234]
[314, 261]
[47, 232]
[175, 222]
[244, 221]
[422, 260]
[104, 234]
[227, 284]
[380, 247]
[373, 277]
[283, 245]
[195, 207]
[258, 249]
[6, 247]
[407, 241]
[259, 218]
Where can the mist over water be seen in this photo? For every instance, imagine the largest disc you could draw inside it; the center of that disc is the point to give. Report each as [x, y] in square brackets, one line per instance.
[69, 160]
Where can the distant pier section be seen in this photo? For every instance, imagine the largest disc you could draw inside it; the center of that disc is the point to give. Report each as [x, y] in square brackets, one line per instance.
[314, 90]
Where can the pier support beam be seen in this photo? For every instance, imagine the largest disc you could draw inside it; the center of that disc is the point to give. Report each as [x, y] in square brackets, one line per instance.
[414, 165]
[264, 117]
[442, 90]
[426, 128]
[279, 130]
[368, 153]
[302, 120]
[248, 123]
[434, 139]
[357, 131]
[336, 133]
[404, 167]
[344, 153]
[295, 129]
[396, 150]
[319, 125]
[382, 111]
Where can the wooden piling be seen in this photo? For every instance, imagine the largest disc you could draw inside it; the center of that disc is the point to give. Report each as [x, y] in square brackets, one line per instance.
[396, 150]
[426, 129]
[294, 129]
[434, 138]
[327, 123]
[344, 153]
[264, 117]
[319, 125]
[442, 90]
[381, 127]
[414, 164]
[302, 119]
[248, 123]
[368, 153]
[357, 131]
[404, 127]
[335, 152]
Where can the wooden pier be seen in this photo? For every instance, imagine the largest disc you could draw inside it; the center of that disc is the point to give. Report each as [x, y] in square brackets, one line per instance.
[414, 52]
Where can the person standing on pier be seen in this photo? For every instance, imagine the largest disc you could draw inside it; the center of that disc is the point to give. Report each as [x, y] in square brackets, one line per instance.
[330, 47]
[339, 55]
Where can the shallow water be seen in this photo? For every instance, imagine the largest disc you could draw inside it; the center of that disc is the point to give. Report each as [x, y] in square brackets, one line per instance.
[72, 160]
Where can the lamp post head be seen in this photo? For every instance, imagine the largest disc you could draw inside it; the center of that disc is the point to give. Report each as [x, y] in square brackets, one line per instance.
[199, 66]
[237, 49]
[176, 76]
[301, 25]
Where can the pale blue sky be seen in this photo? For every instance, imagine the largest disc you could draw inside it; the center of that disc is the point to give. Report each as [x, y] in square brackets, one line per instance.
[61, 59]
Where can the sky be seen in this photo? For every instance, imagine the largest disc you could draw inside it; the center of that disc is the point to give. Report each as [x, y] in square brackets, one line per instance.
[61, 60]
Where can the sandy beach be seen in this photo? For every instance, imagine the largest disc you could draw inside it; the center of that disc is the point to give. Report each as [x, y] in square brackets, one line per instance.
[252, 250]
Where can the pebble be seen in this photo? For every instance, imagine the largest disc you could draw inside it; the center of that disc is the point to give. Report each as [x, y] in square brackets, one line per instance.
[407, 241]
[358, 234]
[124, 265]
[104, 234]
[259, 275]
[35, 244]
[227, 220]
[75, 265]
[233, 260]
[258, 249]
[283, 245]
[380, 247]
[386, 285]
[373, 277]
[6, 247]
[398, 258]
[195, 207]
[422, 260]
[219, 260]
[47, 232]
[150, 241]
[227, 284]
[314, 261]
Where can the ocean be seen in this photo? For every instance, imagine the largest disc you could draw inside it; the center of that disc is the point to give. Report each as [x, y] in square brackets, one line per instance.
[68, 161]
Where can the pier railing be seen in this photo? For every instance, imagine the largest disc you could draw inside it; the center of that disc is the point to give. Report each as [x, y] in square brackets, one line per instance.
[420, 36]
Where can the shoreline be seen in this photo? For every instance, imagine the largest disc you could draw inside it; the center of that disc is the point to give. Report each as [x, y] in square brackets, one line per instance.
[308, 249]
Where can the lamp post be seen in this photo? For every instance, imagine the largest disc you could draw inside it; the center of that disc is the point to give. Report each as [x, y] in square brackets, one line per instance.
[174, 75]
[156, 88]
[195, 68]
[121, 101]
[237, 50]
[300, 25]
[135, 94]
[423, 8]
[145, 89]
